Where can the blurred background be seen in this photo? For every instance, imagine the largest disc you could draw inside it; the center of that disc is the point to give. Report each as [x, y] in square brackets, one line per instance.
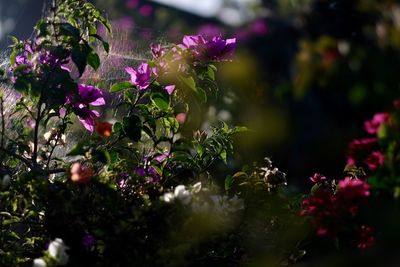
[306, 75]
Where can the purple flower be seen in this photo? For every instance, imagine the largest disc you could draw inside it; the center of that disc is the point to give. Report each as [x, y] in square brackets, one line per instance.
[156, 50]
[88, 240]
[209, 31]
[91, 95]
[86, 116]
[220, 49]
[216, 49]
[170, 89]
[87, 95]
[141, 76]
[149, 173]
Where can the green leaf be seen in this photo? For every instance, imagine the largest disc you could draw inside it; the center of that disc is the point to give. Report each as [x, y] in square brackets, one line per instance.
[229, 182]
[117, 127]
[160, 98]
[69, 30]
[211, 72]
[189, 82]
[93, 60]
[106, 45]
[202, 95]
[79, 56]
[132, 127]
[121, 86]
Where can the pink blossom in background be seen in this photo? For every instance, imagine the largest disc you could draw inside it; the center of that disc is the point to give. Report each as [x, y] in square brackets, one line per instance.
[366, 237]
[132, 4]
[126, 23]
[374, 160]
[146, 10]
[373, 125]
[259, 27]
[358, 148]
[81, 174]
[181, 117]
[318, 178]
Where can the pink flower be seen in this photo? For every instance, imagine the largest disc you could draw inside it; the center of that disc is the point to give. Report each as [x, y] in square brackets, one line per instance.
[141, 76]
[131, 4]
[374, 160]
[359, 148]
[170, 89]
[146, 10]
[259, 27]
[352, 192]
[318, 178]
[81, 174]
[373, 125]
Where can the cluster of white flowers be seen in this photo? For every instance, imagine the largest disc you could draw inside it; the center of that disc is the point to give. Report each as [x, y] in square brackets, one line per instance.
[182, 194]
[58, 251]
[222, 205]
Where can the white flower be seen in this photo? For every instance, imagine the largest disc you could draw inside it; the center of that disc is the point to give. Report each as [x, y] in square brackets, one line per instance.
[182, 194]
[168, 197]
[224, 204]
[196, 188]
[57, 249]
[39, 263]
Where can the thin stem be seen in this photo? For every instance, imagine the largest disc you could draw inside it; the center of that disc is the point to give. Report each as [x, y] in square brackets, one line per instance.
[2, 129]
[52, 149]
[36, 133]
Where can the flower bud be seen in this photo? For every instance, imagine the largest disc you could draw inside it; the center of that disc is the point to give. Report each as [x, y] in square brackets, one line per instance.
[80, 173]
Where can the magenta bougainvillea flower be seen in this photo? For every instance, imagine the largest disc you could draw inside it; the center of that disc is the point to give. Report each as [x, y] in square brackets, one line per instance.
[359, 149]
[374, 160]
[216, 49]
[366, 237]
[321, 206]
[351, 193]
[329, 208]
[140, 77]
[318, 178]
[373, 125]
[87, 96]
[354, 189]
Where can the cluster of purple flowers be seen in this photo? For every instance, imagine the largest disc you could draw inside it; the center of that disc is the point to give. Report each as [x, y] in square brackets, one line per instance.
[197, 47]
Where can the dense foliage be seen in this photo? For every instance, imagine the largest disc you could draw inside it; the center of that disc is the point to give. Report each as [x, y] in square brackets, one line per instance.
[116, 176]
